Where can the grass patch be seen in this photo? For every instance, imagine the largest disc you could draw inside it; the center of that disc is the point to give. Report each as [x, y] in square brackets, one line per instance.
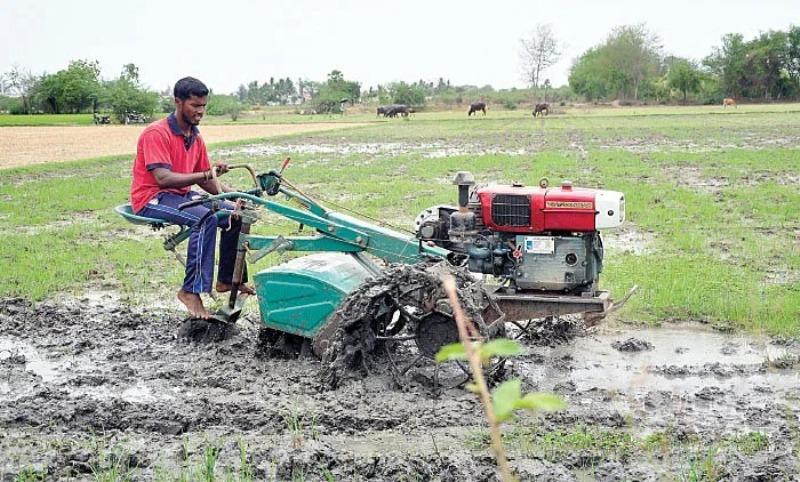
[30, 120]
[587, 447]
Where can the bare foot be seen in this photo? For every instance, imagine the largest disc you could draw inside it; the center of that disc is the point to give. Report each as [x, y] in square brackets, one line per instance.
[243, 288]
[194, 304]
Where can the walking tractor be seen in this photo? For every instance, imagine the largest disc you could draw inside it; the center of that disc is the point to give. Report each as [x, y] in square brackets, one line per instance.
[368, 297]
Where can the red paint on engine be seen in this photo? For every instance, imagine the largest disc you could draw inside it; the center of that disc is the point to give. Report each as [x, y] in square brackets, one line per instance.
[561, 208]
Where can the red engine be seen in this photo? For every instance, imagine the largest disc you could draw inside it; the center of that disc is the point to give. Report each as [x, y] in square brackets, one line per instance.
[524, 209]
[536, 238]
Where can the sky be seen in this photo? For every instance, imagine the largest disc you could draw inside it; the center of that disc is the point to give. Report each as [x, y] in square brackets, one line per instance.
[227, 43]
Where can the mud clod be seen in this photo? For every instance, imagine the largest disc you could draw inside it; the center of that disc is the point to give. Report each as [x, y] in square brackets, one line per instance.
[202, 331]
[632, 345]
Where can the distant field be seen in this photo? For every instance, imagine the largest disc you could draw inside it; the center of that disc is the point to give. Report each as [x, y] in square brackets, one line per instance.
[22, 146]
[37, 139]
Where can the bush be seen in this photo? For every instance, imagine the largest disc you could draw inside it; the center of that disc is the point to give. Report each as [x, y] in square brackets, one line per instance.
[224, 105]
[509, 104]
[7, 104]
[12, 105]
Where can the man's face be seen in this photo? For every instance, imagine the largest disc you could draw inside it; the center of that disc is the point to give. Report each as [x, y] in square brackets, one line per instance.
[192, 109]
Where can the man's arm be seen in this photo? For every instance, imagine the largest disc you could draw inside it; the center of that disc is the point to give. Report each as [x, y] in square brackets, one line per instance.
[167, 179]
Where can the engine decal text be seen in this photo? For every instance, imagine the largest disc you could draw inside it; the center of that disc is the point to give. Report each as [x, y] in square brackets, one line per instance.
[568, 204]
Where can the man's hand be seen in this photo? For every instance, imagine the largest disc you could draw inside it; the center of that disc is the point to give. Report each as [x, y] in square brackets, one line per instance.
[221, 167]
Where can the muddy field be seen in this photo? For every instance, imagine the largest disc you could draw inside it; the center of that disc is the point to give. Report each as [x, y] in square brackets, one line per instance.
[21, 146]
[87, 390]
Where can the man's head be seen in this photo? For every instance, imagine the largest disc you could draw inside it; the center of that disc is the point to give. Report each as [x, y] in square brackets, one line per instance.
[191, 98]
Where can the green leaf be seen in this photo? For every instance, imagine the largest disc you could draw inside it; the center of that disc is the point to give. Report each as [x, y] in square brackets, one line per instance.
[505, 398]
[454, 351]
[502, 347]
[547, 402]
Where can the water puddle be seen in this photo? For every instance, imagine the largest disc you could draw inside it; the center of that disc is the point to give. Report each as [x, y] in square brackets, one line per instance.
[14, 350]
[78, 376]
[623, 369]
[432, 150]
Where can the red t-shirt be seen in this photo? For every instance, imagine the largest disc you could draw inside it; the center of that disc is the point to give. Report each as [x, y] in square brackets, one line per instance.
[162, 144]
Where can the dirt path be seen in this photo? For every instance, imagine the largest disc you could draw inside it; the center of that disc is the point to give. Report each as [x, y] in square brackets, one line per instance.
[20, 146]
[88, 391]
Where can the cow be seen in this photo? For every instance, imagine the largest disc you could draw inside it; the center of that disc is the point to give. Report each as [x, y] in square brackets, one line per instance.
[475, 107]
[382, 110]
[401, 109]
[729, 101]
[543, 109]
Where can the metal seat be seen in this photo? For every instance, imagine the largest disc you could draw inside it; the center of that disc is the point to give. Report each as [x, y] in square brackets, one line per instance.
[126, 211]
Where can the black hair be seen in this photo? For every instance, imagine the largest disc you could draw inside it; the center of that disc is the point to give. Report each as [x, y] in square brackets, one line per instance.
[189, 86]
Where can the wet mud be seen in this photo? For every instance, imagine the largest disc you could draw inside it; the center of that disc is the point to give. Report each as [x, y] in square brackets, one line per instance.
[88, 390]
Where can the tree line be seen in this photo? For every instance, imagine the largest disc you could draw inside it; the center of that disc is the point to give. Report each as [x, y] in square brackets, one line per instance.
[78, 89]
[629, 65]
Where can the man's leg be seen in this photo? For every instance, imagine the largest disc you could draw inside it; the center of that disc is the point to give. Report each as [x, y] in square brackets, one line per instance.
[200, 249]
[228, 244]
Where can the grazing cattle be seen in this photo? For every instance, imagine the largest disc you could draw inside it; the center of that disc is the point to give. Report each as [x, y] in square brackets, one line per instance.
[543, 109]
[728, 101]
[382, 110]
[477, 106]
[401, 109]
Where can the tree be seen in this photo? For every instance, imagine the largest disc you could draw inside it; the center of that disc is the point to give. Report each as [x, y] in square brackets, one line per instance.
[406, 94]
[241, 93]
[125, 94]
[131, 73]
[767, 59]
[629, 57]
[589, 76]
[728, 64]
[684, 76]
[284, 90]
[74, 89]
[635, 52]
[793, 55]
[337, 83]
[539, 51]
[329, 96]
[21, 82]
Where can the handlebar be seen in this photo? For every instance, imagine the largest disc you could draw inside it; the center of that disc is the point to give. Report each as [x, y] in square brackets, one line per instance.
[249, 169]
[260, 182]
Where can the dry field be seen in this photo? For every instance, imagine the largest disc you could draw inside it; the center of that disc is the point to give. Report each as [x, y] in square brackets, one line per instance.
[20, 146]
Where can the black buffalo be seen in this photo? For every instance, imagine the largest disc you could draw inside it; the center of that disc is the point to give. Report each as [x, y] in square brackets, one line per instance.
[543, 109]
[477, 106]
[398, 109]
[382, 110]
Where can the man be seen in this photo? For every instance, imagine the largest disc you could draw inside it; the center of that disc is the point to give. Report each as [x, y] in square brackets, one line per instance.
[171, 157]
